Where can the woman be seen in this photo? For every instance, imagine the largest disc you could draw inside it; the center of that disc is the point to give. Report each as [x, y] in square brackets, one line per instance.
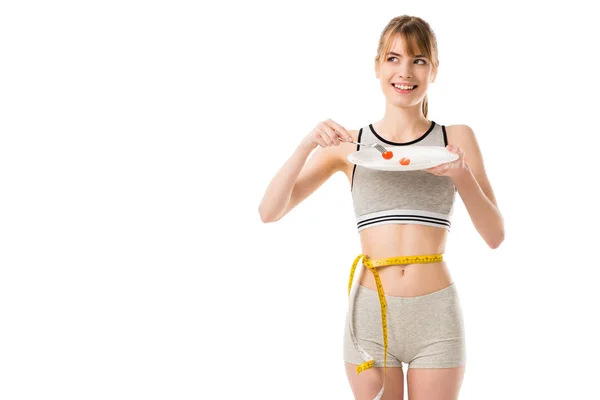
[406, 310]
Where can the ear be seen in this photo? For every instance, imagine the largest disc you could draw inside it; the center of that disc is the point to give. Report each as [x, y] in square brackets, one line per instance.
[376, 69]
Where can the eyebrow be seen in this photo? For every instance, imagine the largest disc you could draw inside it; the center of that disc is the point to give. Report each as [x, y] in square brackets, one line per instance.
[396, 54]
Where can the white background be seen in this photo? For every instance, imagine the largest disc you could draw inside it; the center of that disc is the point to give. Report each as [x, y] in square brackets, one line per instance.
[137, 139]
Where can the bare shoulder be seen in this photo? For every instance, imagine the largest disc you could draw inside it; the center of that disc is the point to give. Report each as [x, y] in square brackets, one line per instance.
[460, 134]
[464, 137]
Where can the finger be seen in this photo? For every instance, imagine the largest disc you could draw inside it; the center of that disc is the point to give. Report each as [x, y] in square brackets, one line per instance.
[437, 170]
[455, 149]
[321, 142]
[319, 138]
[452, 147]
[335, 139]
[335, 136]
[339, 129]
[325, 137]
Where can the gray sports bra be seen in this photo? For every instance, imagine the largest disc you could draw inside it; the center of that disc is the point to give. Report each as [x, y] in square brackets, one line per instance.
[410, 197]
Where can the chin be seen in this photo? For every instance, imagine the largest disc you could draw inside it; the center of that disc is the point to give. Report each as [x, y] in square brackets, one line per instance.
[403, 102]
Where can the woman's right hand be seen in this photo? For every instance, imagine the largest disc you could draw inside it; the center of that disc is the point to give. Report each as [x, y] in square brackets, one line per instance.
[326, 134]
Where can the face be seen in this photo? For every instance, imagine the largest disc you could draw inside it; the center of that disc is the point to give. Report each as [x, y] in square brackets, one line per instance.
[397, 67]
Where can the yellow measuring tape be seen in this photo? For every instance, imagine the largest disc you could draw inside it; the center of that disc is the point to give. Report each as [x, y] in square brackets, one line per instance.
[372, 266]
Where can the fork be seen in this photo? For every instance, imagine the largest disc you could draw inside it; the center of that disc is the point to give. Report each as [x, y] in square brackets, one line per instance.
[375, 145]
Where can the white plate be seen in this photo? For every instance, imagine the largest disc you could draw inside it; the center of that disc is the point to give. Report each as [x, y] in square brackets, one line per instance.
[421, 157]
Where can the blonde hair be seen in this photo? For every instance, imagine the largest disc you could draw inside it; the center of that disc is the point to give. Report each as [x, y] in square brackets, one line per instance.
[417, 38]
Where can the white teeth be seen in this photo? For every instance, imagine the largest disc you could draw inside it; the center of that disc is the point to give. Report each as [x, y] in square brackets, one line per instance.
[402, 87]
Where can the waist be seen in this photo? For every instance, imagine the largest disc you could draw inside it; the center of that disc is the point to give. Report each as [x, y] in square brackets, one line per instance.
[409, 280]
[391, 240]
[405, 276]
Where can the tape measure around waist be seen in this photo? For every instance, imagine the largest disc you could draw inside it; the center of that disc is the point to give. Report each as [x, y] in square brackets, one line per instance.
[372, 266]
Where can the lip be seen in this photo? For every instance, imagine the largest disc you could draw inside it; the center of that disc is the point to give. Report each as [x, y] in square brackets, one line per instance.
[404, 84]
[404, 91]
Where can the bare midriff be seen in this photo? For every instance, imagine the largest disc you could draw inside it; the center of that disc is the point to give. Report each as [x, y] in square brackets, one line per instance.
[397, 240]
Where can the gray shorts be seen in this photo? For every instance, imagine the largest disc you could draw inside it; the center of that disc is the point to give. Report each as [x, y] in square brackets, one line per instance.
[423, 331]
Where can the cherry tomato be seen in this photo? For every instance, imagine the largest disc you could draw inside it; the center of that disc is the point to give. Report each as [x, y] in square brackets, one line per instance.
[405, 161]
[387, 155]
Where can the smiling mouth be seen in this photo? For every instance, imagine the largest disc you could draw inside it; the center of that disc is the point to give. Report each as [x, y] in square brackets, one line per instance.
[404, 88]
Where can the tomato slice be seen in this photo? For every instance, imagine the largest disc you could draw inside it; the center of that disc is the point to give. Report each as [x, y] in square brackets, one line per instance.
[387, 155]
[405, 161]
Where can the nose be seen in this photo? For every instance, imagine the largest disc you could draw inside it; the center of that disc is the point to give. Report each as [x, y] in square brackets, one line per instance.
[405, 70]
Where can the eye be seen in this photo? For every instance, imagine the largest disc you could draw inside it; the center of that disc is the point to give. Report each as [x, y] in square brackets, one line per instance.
[390, 58]
[420, 59]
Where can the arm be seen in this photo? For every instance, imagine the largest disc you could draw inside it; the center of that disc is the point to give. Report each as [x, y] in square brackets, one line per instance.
[474, 187]
[298, 178]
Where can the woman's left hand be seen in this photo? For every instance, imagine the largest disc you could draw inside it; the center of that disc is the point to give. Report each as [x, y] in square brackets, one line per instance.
[450, 168]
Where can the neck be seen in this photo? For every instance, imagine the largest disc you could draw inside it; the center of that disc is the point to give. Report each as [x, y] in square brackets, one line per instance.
[402, 124]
